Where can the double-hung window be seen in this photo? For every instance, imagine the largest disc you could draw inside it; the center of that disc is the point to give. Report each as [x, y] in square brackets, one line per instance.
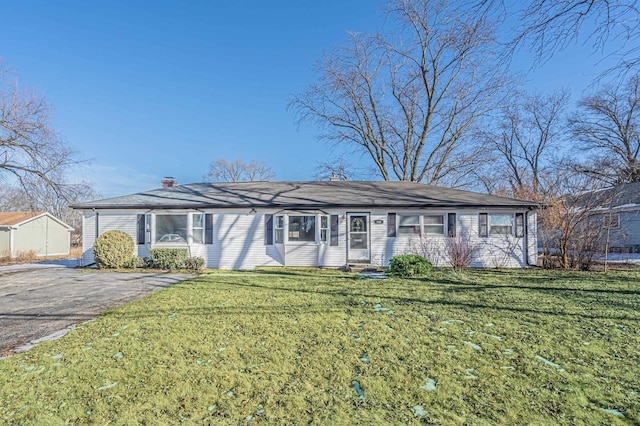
[324, 228]
[279, 229]
[409, 225]
[496, 224]
[198, 228]
[500, 224]
[433, 224]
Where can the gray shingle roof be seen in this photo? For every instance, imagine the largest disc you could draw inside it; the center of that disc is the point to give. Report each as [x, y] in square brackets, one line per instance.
[625, 195]
[319, 194]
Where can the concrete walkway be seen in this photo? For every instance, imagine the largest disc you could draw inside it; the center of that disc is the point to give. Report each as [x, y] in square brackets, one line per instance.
[36, 301]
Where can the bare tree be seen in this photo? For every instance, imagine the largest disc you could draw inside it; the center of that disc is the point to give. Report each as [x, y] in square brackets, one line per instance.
[607, 126]
[32, 196]
[222, 170]
[547, 27]
[29, 148]
[409, 100]
[522, 145]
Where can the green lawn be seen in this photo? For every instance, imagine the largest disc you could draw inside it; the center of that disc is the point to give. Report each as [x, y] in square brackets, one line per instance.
[291, 347]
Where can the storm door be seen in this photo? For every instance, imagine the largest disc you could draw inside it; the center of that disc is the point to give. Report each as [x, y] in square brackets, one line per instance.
[358, 237]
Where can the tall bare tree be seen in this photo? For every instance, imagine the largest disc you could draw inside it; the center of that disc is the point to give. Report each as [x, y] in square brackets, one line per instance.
[223, 170]
[408, 100]
[529, 131]
[547, 27]
[29, 147]
[606, 124]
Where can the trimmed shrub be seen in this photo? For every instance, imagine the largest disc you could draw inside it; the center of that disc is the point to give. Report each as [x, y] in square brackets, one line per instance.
[168, 258]
[113, 249]
[136, 262]
[194, 263]
[409, 265]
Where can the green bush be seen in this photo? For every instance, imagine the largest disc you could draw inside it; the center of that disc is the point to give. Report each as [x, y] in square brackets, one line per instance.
[137, 262]
[168, 258]
[409, 265]
[113, 249]
[194, 263]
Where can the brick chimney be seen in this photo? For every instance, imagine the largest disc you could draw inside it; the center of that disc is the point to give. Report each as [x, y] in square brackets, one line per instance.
[169, 182]
[334, 177]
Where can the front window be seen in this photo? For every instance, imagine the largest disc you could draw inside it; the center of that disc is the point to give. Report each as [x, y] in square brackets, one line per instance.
[324, 228]
[433, 224]
[409, 225]
[612, 221]
[171, 228]
[501, 224]
[302, 228]
[279, 229]
[198, 228]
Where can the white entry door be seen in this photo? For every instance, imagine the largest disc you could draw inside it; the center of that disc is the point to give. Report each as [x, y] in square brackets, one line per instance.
[358, 237]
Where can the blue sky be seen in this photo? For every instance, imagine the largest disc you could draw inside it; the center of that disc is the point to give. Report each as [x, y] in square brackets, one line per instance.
[148, 89]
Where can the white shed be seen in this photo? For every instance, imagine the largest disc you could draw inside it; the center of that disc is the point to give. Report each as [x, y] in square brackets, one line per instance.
[40, 232]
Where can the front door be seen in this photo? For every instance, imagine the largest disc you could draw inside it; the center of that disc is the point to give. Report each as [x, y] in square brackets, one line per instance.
[358, 237]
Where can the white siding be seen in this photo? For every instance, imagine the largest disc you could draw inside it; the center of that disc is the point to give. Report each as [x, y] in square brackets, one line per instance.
[335, 256]
[239, 241]
[88, 236]
[532, 238]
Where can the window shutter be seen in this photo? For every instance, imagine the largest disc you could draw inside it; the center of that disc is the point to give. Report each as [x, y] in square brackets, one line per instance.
[483, 226]
[208, 228]
[451, 224]
[141, 229]
[519, 225]
[268, 229]
[334, 230]
[391, 225]
[97, 226]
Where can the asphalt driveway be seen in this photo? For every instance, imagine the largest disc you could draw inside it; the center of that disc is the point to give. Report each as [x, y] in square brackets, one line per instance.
[38, 302]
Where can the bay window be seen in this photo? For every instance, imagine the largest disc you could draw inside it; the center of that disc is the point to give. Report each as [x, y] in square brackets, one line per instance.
[302, 228]
[171, 228]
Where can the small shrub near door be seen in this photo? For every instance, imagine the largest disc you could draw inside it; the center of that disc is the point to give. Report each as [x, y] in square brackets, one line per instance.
[113, 249]
[409, 265]
[168, 258]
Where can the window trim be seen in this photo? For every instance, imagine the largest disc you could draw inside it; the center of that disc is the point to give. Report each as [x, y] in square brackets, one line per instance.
[607, 220]
[443, 224]
[486, 233]
[315, 225]
[193, 228]
[152, 229]
[326, 228]
[421, 224]
[417, 226]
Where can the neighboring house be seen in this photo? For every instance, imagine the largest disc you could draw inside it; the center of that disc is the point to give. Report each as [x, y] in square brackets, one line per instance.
[617, 211]
[40, 232]
[327, 224]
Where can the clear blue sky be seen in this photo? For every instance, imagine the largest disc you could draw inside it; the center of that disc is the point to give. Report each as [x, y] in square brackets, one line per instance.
[147, 89]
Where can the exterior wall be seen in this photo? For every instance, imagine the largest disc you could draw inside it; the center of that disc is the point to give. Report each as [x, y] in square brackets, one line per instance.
[43, 235]
[239, 241]
[5, 242]
[88, 236]
[532, 238]
[628, 234]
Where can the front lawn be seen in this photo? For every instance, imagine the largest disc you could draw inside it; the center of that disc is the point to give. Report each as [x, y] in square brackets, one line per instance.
[291, 347]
